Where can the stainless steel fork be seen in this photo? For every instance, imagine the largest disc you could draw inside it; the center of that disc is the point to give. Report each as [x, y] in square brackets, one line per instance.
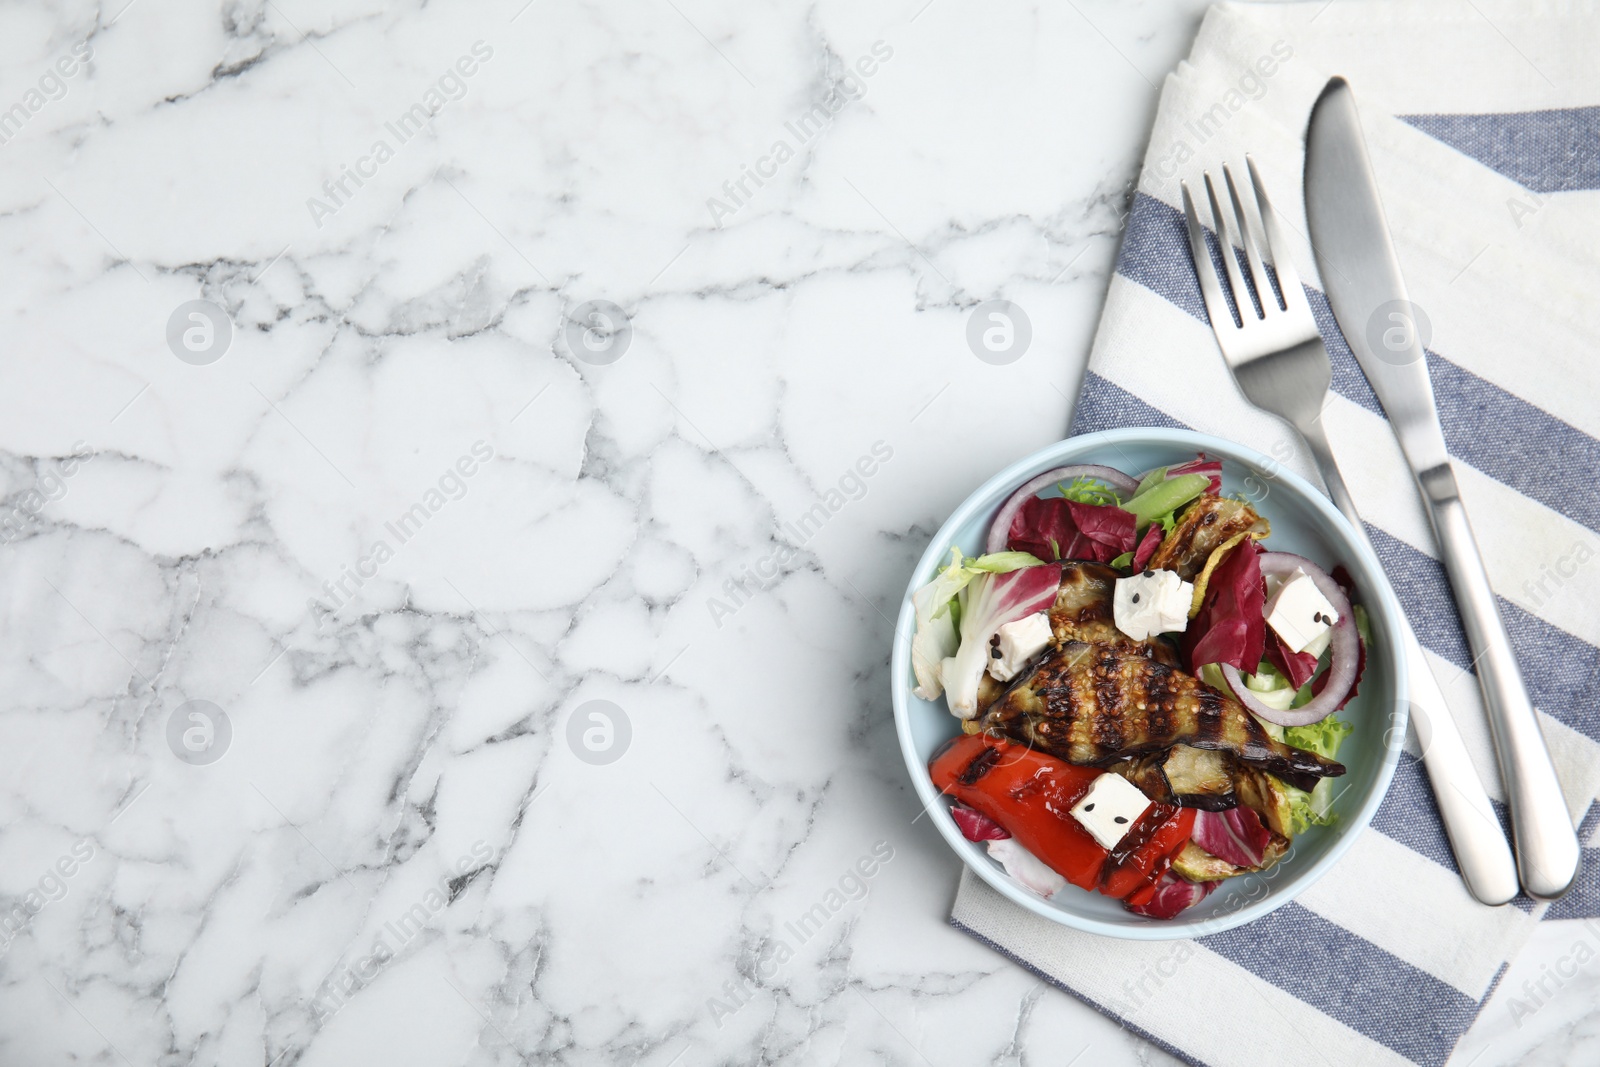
[1279, 362]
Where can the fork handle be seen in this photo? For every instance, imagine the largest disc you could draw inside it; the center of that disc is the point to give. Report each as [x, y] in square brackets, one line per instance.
[1547, 846]
[1469, 819]
[1322, 453]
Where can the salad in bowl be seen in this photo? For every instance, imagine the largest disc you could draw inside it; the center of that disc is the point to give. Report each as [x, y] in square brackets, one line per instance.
[1148, 693]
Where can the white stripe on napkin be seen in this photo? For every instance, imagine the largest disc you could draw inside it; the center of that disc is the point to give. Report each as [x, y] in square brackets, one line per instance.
[1419, 914]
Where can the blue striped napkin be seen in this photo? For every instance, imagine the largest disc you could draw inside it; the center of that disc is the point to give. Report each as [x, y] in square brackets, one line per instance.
[1486, 145]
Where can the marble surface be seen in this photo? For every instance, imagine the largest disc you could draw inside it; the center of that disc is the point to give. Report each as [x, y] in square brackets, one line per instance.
[314, 590]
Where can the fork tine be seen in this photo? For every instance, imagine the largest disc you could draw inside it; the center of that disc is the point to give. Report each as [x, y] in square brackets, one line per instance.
[1210, 288]
[1225, 227]
[1277, 245]
[1252, 239]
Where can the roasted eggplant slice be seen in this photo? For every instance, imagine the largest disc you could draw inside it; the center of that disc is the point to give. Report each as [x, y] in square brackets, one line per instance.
[1096, 704]
[989, 691]
[1194, 771]
[1265, 795]
[1205, 524]
[1183, 775]
[1197, 865]
[1083, 612]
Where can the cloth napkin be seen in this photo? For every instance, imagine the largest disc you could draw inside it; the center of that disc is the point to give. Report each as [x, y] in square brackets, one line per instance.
[1485, 137]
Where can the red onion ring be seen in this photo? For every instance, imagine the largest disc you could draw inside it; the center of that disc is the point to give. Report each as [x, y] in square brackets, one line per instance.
[1346, 646]
[1000, 529]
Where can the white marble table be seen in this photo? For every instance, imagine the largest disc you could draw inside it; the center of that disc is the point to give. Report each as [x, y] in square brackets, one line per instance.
[306, 584]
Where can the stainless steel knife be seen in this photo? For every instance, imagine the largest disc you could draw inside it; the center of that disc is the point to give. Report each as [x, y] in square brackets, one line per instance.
[1361, 275]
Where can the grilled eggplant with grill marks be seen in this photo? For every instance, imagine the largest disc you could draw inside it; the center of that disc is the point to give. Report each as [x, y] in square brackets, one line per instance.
[1083, 612]
[1206, 523]
[1096, 704]
[1189, 777]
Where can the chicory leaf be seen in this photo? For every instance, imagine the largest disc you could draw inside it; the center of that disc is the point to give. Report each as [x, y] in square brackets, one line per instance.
[1042, 527]
[1025, 867]
[1323, 738]
[1236, 835]
[939, 613]
[1087, 490]
[1298, 667]
[1056, 528]
[1230, 627]
[1173, 895]
[1000, 562]
[936, 636]
[987, 603]
[1106, 525]
[1148, 546]
[976, 826]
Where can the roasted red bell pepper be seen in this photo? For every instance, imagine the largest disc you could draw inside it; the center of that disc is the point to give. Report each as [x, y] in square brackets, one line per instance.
[1141, 858]
[1028, 793]
[1032, 795]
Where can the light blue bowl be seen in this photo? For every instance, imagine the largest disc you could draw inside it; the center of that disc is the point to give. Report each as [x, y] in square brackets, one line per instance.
[1303, 522]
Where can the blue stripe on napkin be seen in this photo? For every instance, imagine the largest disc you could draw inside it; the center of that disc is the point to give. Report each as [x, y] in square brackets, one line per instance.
[1409, 794]
[1352, 980]
[1545, 151]
[1561, 671]
[1155, 253]
[1583, 899]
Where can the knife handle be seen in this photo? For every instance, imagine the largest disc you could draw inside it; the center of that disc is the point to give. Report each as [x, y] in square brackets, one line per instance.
[1476, 838]
[1546, 843]
[1475, 834]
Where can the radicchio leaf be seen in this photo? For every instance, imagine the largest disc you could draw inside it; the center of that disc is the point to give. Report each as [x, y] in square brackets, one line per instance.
[936, 638]
[1236, 835]
[1147, 547]
[988, 603]
[1298, 667]
[1231, 627]
[976, 826]
[1105, 524]
[1173, 895]
[1042, 526]
[1056, 528]
[1026, 868]
[1361, 666]
[1211, 468]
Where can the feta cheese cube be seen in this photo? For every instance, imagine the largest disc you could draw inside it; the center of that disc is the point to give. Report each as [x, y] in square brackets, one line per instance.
[1016, 643]
[1110, 808]
[1299, 612]
[1152, 602]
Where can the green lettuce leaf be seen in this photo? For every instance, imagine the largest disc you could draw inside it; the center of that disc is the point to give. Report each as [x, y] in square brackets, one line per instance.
[1085, 490]
[1323, 738]
[1316, 807]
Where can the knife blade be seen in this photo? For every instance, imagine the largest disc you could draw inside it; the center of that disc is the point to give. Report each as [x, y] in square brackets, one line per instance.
[1361, 276]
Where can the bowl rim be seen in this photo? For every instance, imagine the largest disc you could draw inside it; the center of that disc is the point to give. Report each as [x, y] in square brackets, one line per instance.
[1381, 603]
